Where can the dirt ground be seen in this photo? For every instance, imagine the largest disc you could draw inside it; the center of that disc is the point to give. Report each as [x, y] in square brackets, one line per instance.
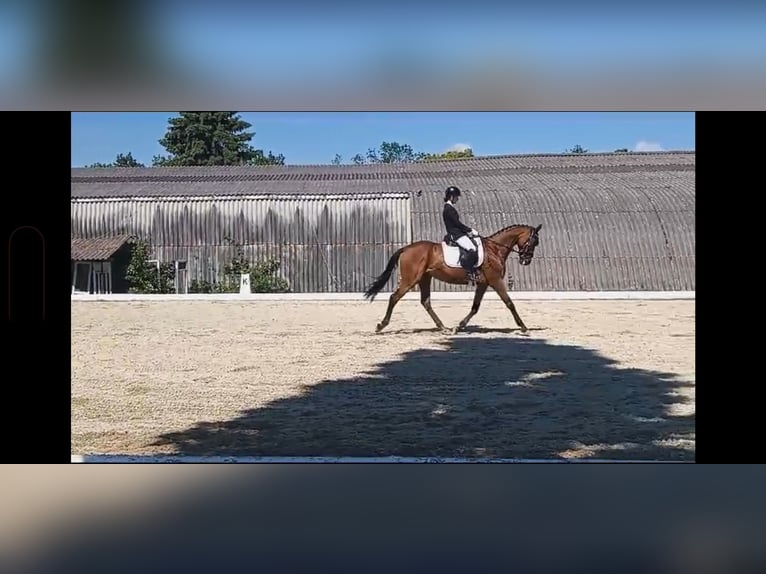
[593, 379]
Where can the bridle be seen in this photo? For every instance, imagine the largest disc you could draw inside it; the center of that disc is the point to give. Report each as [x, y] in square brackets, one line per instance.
[524, 248]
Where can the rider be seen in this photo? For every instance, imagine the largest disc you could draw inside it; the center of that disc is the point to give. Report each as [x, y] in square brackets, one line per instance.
[459, 232]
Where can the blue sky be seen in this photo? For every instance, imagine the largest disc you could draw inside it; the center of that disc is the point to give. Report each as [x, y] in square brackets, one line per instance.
[315, 137]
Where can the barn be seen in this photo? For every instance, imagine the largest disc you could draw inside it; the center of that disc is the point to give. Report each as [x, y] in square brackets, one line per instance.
[613, 221]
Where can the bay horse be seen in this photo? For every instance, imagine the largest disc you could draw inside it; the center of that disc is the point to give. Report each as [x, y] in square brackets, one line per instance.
[421, 261]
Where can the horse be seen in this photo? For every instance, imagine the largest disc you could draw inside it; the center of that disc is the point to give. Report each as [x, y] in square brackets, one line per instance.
[421, 261]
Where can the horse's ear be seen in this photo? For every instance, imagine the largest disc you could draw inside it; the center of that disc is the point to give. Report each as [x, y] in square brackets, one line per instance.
[538, 228]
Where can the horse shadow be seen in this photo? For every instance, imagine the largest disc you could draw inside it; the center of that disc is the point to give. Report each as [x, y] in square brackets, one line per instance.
[466, 330]
[471, 397]
[504, 330]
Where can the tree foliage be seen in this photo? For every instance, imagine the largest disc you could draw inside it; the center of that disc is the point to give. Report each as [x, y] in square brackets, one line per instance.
[389, 152]
[145, 277]
[395, 152]
[122, 160]
[211, 138]
[449, 155]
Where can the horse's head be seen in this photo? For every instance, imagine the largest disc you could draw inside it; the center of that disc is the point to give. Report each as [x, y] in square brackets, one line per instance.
[527, 242]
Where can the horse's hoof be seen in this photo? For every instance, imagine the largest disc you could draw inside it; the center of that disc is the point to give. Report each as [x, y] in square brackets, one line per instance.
[379, 328]
[455, 330]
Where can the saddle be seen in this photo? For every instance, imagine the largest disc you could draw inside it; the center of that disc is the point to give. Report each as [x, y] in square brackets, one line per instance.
[468, 259]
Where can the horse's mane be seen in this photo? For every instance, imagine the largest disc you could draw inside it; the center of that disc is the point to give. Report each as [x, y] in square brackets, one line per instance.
[506, 228]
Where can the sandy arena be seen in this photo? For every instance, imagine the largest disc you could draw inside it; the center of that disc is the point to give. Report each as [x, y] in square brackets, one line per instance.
[593, 379]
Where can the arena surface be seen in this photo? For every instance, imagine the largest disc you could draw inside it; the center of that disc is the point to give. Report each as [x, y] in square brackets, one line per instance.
[593, 380]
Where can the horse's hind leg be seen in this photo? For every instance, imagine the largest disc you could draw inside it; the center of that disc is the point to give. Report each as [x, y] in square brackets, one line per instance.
[425, 300]
[400, 292]
[407, 281]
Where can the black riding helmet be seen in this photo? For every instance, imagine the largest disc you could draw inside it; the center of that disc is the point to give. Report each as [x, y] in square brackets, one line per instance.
[451, 191]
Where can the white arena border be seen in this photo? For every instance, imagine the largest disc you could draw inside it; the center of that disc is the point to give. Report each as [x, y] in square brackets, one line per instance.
[412, 295]
[138, 459]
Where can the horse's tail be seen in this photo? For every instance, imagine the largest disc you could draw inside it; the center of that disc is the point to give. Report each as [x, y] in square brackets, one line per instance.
[383, 278]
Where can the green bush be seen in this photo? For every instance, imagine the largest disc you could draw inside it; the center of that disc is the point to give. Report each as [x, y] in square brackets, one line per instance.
[263, 276]
[143, 277]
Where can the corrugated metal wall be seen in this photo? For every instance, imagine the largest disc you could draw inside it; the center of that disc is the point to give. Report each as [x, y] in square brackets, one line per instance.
[324, 245]
[601, 231]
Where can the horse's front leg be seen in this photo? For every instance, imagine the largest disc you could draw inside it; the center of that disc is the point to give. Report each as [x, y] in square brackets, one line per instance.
[481, 288]
[499, 286]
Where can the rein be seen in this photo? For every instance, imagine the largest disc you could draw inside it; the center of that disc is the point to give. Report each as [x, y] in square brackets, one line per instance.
[510, 249]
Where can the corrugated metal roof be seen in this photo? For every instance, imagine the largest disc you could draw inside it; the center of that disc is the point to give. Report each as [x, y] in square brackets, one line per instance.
[482, 172]
[97, 248]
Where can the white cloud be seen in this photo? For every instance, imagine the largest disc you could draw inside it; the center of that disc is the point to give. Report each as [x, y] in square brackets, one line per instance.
[458, 147]
[647, 146]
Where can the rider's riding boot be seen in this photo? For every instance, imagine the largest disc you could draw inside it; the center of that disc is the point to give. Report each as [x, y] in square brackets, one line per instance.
[468, 261]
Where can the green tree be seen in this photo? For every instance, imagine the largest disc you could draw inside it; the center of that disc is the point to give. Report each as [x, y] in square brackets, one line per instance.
[337, 160]
[389, 152]
[211, 138]
[621, 150]
[259, 158]
[395, 152]
[122, 160]
[448, 155]
[576, 149]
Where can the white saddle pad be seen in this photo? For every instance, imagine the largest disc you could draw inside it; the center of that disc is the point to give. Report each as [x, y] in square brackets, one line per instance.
[452, 254]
